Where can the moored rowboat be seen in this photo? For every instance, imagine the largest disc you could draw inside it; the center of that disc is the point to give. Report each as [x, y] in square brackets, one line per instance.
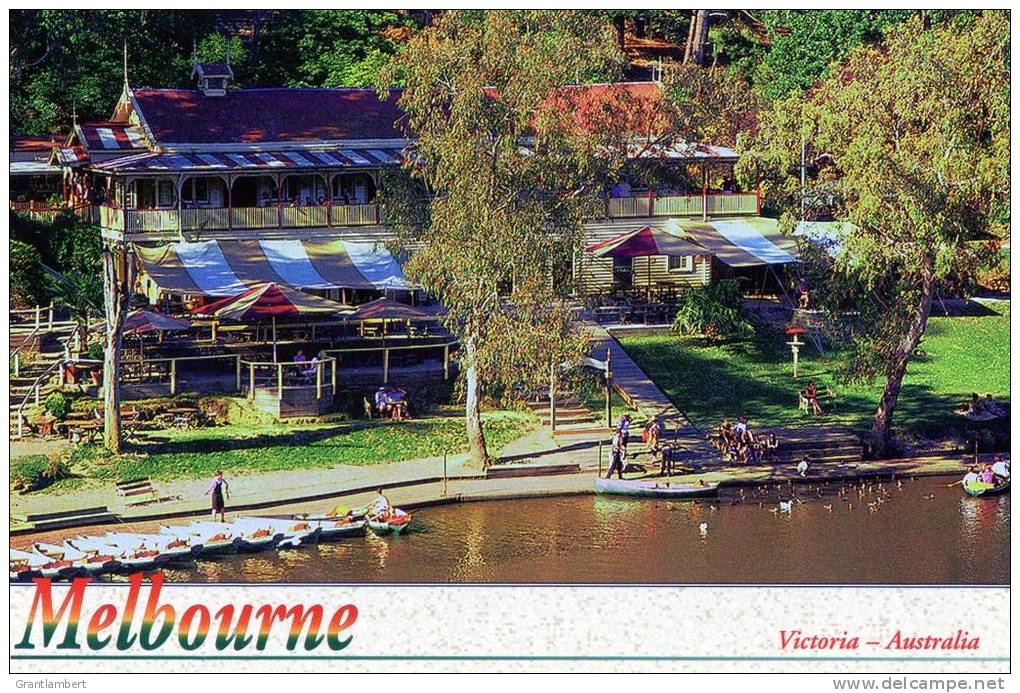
[655, 489]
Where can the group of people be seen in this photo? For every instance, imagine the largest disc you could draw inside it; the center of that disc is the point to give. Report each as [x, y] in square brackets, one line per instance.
[738, 443]
[983, 408]
[390, 403]
[995, 474]
[311, 369]
[652, 435]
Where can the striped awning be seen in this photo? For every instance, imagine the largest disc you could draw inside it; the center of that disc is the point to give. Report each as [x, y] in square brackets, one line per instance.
[227, 268]
[155, 162]
[752, 242]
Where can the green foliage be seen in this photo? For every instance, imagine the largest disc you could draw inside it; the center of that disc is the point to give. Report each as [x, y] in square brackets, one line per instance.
[713, 310]
[963, 354]
[58, 404]
[254, 448]
[35, 472]
[95, 352]
[27, 275]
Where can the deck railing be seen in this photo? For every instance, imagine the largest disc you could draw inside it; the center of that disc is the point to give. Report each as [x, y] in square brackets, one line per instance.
[273, 217]
[682, 205]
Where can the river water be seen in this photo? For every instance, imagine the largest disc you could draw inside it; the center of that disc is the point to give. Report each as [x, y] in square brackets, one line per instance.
[920, 533]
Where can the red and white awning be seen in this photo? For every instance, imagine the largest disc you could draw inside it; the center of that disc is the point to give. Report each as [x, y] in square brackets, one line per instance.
[227, 268]
[256, 162]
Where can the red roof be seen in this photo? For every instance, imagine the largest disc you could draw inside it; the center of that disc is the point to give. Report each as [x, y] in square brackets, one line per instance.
[245, 116]
[35, 144]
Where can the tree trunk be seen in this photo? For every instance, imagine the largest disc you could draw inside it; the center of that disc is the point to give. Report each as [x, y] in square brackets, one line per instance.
[897, 368]
[115, 299]
[700, 38]
[473, 408]
[620, 23]
[691, 31]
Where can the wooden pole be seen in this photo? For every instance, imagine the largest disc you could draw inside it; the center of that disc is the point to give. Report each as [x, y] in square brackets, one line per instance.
[318, 381]
[173, 376]
[704, 193]
[386, 366]
[237, 378]
[552, 397]
[333, 377]
[279, 381]
[446, 362]
[251, 381]
[609, 390]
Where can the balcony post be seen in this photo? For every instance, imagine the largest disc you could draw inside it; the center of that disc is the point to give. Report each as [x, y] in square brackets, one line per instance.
[704, 193]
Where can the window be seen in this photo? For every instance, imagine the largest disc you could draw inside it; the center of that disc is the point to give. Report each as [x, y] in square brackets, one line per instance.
[681, 263]
[165, 192]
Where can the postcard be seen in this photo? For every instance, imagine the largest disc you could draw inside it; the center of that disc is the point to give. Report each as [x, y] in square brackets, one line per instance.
[510, 340]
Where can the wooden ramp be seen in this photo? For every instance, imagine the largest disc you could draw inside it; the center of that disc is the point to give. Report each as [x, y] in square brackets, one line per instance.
[642, 394]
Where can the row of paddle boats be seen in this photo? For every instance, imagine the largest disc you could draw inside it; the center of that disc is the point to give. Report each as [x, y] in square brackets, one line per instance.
[176, 545]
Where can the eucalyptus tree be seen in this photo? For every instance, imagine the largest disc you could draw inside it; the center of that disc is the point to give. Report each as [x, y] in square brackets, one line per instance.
[912, 137]
[512, 162]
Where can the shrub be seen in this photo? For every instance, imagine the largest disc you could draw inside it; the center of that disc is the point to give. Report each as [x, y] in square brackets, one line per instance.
[26, 273]
[96, 352]
[35, 472]
[712, 310]
[58, 404]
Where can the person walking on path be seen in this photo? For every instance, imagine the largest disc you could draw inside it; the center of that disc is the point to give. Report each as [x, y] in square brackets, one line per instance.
[624, 430]
[617, 455]
[219, 489]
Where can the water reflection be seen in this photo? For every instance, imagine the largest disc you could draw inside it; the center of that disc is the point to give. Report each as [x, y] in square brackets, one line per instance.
[913, 532]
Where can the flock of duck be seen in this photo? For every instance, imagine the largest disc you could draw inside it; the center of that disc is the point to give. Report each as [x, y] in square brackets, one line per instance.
[176, 545]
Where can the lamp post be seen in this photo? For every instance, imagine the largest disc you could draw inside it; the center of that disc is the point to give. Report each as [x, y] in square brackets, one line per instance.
[795, 344]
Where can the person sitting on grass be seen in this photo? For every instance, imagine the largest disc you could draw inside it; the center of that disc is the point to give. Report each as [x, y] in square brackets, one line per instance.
[811, 395]
[726, 435]
[992, 407]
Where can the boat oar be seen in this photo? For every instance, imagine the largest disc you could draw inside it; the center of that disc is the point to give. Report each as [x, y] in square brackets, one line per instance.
[955, 483]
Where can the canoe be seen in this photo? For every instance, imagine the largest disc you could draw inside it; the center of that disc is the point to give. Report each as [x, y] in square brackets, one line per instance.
[130, 558]
[91, 562]
[206, 543]
[248, 538]
[42, 565]
[392, 523]
[174, 549]
[980, 489]
[293, 532]
[332, 529]
[655, 489]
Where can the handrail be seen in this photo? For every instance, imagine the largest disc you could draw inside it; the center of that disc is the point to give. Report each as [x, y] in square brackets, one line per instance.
[263, 364]
[34, 390]
[14, 354]
[404, 347]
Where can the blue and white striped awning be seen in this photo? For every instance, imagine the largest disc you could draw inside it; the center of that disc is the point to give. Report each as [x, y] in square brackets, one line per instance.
[333, 158]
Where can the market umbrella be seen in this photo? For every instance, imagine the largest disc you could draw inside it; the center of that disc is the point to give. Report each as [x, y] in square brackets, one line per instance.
[269, 301]
[646, 242]
[386, 309]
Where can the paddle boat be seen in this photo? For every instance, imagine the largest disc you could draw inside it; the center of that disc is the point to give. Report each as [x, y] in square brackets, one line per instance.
[656, 489]
[41, 566]
[338, 529]
[209, 543]
[294, 532]
[249, 537]
[979, 489]
[91, 562]
[138, 557]
[393, 522]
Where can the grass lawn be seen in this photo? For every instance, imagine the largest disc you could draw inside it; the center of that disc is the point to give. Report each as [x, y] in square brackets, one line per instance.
[252, 448]
[961, 355]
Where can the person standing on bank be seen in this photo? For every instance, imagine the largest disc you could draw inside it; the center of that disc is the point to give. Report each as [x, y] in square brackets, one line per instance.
[617, 456]
[219, 489]
[624, 430]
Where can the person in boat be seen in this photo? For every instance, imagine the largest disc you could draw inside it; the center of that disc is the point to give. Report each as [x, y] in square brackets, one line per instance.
[617, 457]
[811, 395]
[381, 506]
[971, 477]
[219, 489]
[1000, 468]
[987, 475]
